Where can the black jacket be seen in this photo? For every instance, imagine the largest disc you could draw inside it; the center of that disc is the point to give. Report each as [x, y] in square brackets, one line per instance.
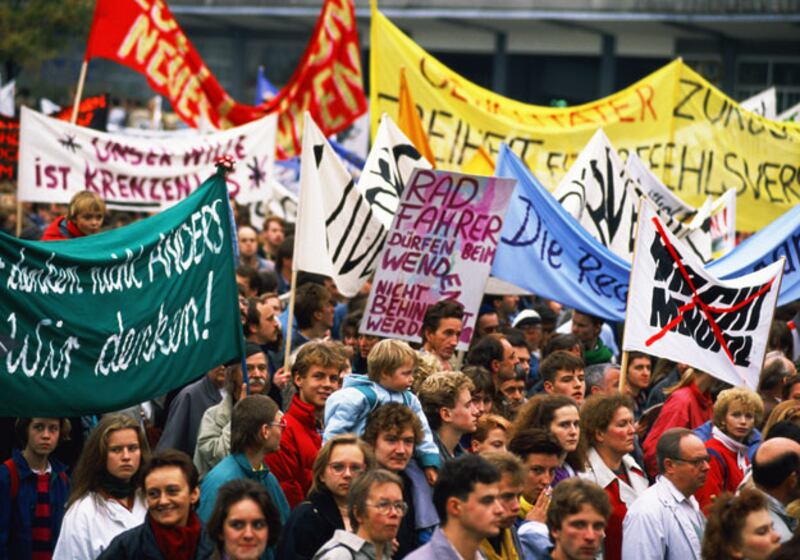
[139, 543]
[311, 524]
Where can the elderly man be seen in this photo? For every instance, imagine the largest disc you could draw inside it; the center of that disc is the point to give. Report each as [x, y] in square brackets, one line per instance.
[666, 521]
[776, 465]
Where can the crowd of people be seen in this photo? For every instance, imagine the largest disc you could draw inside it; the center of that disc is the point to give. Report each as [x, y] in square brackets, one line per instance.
[533, 444]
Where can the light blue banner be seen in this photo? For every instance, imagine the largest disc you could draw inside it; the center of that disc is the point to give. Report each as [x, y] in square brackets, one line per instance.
[543, 249]
[779, 239]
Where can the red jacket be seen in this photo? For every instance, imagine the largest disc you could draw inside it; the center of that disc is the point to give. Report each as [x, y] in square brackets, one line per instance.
[61, 228]
[720, 478]
[685, 408]
[300, 444]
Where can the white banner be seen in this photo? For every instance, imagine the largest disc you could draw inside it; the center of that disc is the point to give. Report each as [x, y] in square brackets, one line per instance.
[58, 159]
[441, 246]
[764, 103]
[792, 114]
[342, 226]
[7, 94]
[665, 200]
[679, 311]
[603, 197]
[723, 224]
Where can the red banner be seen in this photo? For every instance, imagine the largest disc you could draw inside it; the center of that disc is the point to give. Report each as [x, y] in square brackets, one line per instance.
[143, 35]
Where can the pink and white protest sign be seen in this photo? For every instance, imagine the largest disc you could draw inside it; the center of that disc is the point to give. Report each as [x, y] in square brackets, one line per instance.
[58, 159]
[441, 246]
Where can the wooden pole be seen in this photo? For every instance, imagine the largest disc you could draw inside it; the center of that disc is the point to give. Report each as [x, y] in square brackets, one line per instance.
[623, 371]
[79, 92]
[290, 321]
[19, 215]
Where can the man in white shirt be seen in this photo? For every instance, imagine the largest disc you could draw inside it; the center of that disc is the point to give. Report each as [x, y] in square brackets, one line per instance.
[666, 521]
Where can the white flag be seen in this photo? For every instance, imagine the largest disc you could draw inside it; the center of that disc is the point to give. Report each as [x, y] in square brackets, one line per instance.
[603, 197]
[341, 225]
[792, 114]
[48, 107]
[677, 310]
[723, 224]
[764, 103]
[7, 95]
[665, 200]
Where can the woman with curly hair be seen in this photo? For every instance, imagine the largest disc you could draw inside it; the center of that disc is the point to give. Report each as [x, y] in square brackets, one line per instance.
[736, 413]
[608, 430]
[558, 415]
[739, 527]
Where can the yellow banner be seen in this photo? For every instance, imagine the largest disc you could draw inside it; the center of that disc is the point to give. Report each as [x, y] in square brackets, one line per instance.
[696, 139]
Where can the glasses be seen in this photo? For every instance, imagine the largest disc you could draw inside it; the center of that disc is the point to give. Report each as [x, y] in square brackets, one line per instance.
[696, 463]
[339, 468]
[385, 507]
[279, 424]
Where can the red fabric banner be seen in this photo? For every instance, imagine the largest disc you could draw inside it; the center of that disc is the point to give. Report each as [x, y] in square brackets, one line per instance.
[144, 35]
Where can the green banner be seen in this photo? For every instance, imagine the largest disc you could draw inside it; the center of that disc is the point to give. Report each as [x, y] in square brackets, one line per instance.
[100, 323]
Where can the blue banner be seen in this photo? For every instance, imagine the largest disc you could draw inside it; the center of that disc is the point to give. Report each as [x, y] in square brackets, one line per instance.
[543, 249]
[779, 239]
[265, 90]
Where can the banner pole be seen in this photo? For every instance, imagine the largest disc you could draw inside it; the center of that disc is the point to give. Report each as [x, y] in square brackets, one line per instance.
[79, 92]
[623, 371]
[290, 321]
[623, 367]
[19, 215]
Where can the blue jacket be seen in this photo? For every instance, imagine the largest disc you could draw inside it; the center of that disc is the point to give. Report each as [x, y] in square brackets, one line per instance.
[347, 409]
[235, 467]
[703, 431]
[16, 517]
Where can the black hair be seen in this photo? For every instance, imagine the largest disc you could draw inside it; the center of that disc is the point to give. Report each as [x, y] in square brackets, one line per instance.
[771, 474]
[457, 479]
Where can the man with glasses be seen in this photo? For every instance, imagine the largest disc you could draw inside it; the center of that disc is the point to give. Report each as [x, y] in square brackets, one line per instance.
[375, 508]
[315, 373]
[666, 521]
[393, 431]
[466, 497]
[256, 426]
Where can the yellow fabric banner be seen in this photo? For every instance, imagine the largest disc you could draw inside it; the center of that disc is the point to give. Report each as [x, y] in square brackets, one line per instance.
[696, 139]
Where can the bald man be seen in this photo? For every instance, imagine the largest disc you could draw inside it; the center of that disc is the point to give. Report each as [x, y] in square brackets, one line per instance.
[775, 472]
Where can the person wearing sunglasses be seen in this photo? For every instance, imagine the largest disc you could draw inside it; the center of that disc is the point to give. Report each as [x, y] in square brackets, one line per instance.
[375, 507]
[256, 426]
[341, 461]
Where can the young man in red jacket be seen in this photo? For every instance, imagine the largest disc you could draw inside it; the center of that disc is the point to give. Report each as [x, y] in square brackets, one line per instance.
[315, 373]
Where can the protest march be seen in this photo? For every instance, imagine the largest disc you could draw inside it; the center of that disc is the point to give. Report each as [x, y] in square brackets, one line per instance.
[386, 310]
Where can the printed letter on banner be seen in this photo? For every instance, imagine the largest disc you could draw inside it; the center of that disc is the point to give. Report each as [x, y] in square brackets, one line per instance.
[104, 322]
[679, 311]
[441, 246]
[57, 159]
[693, 137]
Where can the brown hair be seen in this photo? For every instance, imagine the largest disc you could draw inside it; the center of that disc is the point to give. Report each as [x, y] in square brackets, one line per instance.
[232, 493]
[324, 457]
[359, 491]
[597, 413]
[441, 390]
[391, 417]
[558, 361]
[321, 353]
[726, 519]
[85, 201]
[172, 458]
[91, 467]
[569, 497]
[247, 417]
[507, 463]
[539, 412]
[489, 422]
[21, 426]
[787, 410]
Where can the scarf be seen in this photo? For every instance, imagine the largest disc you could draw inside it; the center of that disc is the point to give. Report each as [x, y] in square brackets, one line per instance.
[737, 447]
[524, 507]
[116, 487]
[507, 549]
[177, 543]
[598, 355]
